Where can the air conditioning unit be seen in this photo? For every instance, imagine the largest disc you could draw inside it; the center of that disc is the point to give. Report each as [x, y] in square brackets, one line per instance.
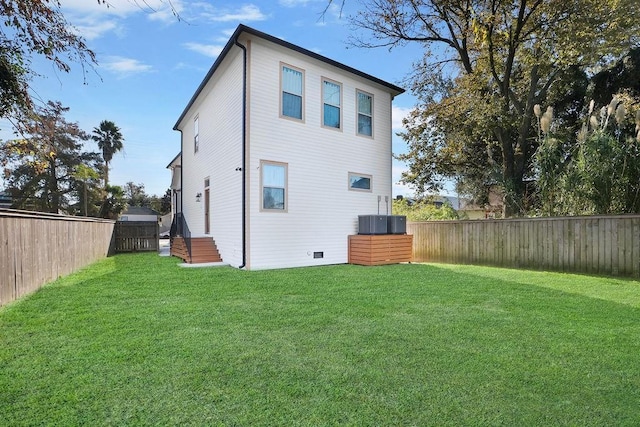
[372, 224]
[396, 224]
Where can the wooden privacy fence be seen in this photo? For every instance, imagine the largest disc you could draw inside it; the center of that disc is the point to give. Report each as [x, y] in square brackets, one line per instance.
[37, 248]
[595, 244]
[136, 236]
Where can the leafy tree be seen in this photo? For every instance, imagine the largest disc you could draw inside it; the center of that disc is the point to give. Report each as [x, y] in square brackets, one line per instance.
[161, 204]
[109, 139]
[600, 173]
[486, 65]
[135, 195]
[41, 168]
[621, 77]
[31, 28]
[165, 202]
[113, 203]
[38, 28]
[87, 176]
[423, 210]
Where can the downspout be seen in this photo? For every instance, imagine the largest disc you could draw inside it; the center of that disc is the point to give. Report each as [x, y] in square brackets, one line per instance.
[244, 150]
[181, 169]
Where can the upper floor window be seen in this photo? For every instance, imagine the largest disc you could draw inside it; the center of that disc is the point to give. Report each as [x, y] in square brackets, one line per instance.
[332, 100]
[273, 179]
[292, 92]
[365, 114]
[196, 134]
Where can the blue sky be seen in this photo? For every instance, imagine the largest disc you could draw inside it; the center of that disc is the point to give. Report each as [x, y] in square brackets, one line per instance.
[150, 65]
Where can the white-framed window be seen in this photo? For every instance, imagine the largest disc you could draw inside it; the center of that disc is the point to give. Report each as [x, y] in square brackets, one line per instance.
[365, 113]
[331, 104]
[273, 184]
[360, 182]
[196, 134]
[292, 90]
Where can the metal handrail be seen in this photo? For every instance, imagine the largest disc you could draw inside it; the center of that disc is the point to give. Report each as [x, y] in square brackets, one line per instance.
[179, 227]
[186, 234]
[173, 231]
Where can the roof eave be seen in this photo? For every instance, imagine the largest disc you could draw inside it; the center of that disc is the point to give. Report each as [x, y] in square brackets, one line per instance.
[174, 159]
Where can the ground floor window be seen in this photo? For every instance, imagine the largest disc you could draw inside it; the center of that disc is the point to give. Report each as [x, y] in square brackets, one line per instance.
[273, 181]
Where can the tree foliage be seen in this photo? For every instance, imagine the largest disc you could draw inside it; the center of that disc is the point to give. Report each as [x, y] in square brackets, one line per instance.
[423, 210]
[32, 28]
[89, 177]
[109, 139]
[41, 169]
[600, 172]
[38, 28]
[135, 195]
[486, 64]
[619, 78]
[162, 204]
[113, 202]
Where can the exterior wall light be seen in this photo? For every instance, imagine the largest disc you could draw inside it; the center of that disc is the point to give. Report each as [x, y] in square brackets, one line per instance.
[198, 197]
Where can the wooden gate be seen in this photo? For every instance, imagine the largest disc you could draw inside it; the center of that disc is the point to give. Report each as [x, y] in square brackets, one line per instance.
[136, 236]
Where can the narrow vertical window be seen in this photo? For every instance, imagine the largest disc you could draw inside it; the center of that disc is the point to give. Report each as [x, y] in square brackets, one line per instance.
[196, 134]
[365, 114]
[292, 93]
[274, 186]
[331, 98]
[207, 208]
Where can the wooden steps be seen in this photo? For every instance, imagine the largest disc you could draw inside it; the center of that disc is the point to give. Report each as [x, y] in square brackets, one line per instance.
[203, 249]
[380, 249]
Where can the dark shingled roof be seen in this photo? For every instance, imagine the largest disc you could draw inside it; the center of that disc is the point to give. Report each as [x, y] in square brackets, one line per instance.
[139, 210]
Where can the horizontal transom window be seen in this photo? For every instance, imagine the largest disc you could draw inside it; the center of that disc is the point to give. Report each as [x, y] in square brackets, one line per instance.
[359, 181]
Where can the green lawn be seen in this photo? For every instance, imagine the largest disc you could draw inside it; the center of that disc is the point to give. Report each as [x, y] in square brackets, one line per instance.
[137, 340]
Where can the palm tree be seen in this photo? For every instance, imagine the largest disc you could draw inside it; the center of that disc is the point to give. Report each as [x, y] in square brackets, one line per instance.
[109, 139]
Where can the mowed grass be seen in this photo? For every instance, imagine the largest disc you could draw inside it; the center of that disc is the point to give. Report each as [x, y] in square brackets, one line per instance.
[137, 340]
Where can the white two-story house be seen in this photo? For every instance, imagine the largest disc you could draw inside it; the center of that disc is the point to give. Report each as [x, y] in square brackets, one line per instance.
[281, 150]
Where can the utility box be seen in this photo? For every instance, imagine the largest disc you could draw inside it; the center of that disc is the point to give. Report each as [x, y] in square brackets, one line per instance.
[396, 224]
[372, 224]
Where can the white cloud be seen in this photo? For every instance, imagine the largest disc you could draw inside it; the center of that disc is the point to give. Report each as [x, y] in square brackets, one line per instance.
[319, 5]
[114, 7]
[293, 3]
[187, 66]
[211, 50]
[332, 13]
[246, 13]
[397, 114]
[227, 34]
[167, 12]
[125, 66]
[92, 29]
[93, 20]
[396, 173]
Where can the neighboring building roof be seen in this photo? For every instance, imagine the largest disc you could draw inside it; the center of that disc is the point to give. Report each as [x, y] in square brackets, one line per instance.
[176, 162]
[395, 90]
[139, 210]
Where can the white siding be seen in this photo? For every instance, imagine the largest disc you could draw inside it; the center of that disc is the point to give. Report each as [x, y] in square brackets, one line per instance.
[219, 109]
[322, 211]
